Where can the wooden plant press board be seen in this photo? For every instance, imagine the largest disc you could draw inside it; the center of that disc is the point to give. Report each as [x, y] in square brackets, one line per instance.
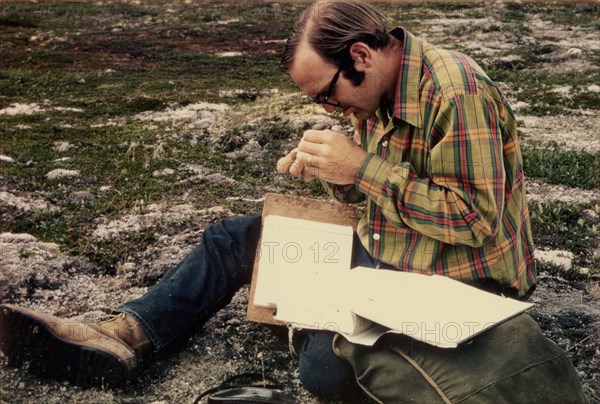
[300, 208]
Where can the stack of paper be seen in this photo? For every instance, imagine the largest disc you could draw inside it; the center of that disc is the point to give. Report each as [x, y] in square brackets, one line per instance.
[304, 273]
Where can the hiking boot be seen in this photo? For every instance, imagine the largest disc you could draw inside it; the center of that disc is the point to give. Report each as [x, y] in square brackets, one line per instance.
[126, 329]
[90, 355]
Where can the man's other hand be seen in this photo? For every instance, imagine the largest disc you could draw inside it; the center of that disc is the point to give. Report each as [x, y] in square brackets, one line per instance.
[291, 165]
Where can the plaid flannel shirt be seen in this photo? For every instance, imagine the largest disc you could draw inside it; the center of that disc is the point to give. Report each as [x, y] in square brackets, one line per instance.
[443, 180]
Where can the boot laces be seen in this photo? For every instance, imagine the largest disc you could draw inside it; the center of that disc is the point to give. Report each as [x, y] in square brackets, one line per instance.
[113, 317]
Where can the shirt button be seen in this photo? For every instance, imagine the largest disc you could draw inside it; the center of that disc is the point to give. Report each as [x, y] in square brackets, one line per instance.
[376, 236]
[385, 143]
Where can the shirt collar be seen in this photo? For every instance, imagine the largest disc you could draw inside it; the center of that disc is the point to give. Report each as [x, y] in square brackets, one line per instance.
[406, 100]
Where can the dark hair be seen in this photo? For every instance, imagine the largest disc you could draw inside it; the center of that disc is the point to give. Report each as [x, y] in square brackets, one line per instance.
[331, 27]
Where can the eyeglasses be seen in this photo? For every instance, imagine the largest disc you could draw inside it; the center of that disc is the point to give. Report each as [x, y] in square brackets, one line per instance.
[324, 99]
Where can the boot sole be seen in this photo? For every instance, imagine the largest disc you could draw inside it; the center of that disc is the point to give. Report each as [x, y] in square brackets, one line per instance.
[26, 339]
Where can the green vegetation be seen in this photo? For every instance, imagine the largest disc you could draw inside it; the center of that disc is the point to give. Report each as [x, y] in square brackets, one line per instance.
[106, 87]
[93, 51]
[109, 62]
[571, 168]
[584, 15]
[515, 16]
[572, 274]
[538, 87]
[562, 226]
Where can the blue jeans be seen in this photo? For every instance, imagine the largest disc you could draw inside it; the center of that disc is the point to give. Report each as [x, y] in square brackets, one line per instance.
[206, 280]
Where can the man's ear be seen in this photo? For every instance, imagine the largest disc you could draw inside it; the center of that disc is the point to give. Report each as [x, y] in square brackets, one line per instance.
[362, 56]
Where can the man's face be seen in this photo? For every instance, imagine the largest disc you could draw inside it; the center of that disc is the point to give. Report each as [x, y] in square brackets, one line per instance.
[313, 75]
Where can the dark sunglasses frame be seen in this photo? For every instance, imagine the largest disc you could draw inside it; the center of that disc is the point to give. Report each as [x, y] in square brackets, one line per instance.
[325, 99]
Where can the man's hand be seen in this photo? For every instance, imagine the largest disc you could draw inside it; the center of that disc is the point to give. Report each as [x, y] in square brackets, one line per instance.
[329, 156]
[291, 165]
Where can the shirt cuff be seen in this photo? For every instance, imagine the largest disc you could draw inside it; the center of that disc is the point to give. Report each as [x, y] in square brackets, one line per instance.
[343, 193]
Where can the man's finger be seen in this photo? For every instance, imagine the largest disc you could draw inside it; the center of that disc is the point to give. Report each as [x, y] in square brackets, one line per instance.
[297, 168]
[310, 147]
[308, 159]
[284, 163]
[315, 136]
[308, 176]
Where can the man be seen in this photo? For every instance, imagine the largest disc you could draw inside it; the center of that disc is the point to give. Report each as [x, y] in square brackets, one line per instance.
[435, 152]
[434, 156]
